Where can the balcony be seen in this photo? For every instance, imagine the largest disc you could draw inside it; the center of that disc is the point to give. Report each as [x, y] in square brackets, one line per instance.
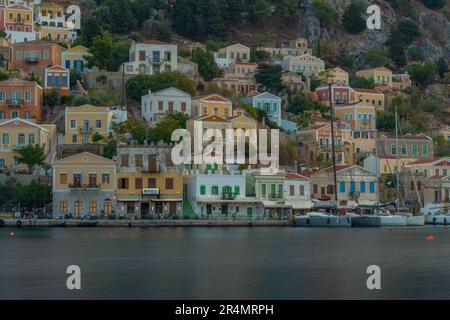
[228, 196]
[329, 147]
[275, 195]
[86, 129]
[14, 103]
[16, 147]
[84, 186]
[32, 60]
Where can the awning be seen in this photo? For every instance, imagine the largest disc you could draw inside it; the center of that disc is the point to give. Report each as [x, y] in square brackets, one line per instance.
[274, 204]
[129, 199]
[300, 204]
[166, 200]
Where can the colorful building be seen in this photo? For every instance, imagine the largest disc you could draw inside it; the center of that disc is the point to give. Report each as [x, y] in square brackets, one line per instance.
[57, 78]
[297, 192]
[150, 57]
[306, 64]
[83, 122]
[268, 102]
[84, 185]
[75, 58]
[371, 97]
[20, 99]
[232, 53]
[157, 105]
[212, 104]
[33, 57]
[51, 20]
[18, 22]
[381, 75]
[358, 115]
[340, 93]
[296, 47]
[148, 185]
[334, 75]
[19, 133]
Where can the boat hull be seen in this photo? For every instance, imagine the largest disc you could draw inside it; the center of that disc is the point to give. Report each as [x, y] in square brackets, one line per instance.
[439, 220]
[393, 221]
[366, 222]
[415, 221]
[323, 222]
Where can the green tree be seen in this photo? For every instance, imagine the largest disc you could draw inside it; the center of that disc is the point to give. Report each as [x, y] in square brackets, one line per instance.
[163, 130]
[324, 12]
[439, 140]
[385, 121]
[360, 82]
[137, 130]
[52, 98]
[422, 74]
[348, 62]
[409, 30]
[75, 75]
[269, 78]
[415, 53]
[442, 66]
[258, 56]
[31, 155]
[139, 85]
[90, 29]
[376, 57]
[353, 19]
[207, 66]
[109, 54]
[97, 137]
[121, 16]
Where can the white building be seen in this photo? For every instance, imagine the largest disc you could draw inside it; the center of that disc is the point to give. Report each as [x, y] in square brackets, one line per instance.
[297, 192]
[306, 64]
[151, 57]
[155, 106]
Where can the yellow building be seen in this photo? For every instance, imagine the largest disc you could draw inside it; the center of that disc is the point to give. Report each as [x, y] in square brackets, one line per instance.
[148, 184]
[213, 104]
[81, 123]
[358, 115]
[18, 133]
[56, 34]
[84, 184]
[75, 58]
[381, 75]
[241, 121]
[235, 52]
[51, 21]
[372, 97]
[334, 75]
[386, 164]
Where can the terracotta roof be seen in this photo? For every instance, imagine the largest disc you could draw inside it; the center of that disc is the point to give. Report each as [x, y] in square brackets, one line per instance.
[436, 177]
[310, 173]
[153, 41]
[211, 97]
[423, 161]
[294, 176]
[364, 90]
[315, 127]
[338, 168]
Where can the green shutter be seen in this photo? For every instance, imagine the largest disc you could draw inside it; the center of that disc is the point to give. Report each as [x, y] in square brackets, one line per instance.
[202, 190]
[216, 167]
[236, 190]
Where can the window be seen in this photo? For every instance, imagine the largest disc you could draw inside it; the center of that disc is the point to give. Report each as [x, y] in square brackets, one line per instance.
[105, 178]
[74, 138]
[5, 138]
[202, 190]
[45, 54]
[31, 138]
[19, 55]
[393, 149]
[138, 161]
[138, 183]
[151, 182]
[14, 114]
[342, 186]
[302, 190]
[404, 150]
[215, 190]
[92, 207]
[424, 150]
[372, 187]
[27, 96]
[63, 178]
[263, 190]
[73, 124]
[123, 183]
[49, 79]
[63, 207]
[352, 186]
[64, 80]
[98, 123]
[21, 139]
[2, 96]
[183, 107]
[362, 187]
[414, 150]
[291, 190]
[160, 105]
[169, 183]
[124, 160]
[2, 115]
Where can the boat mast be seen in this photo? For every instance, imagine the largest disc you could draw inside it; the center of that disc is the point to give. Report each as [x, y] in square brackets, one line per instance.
[333, 154]
[397, 154]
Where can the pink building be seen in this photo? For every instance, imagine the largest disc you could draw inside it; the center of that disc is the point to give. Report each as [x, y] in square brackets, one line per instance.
[341, 93]
[57, 78]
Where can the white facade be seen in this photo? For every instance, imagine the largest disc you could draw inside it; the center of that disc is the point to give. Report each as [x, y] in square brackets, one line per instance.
[152, 57]
[306, 64]
[156, 106]
[220, 195]
[21, 36]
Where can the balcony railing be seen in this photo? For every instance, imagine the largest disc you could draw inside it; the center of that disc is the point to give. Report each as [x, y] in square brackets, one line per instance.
[228, 196]
[274, 195]
[84, 186]
[32, 60]
[329, 147]
[86, 129]
[14, 103]
[18, 146]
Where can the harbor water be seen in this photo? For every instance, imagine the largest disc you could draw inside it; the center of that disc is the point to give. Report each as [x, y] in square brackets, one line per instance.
[225, 263]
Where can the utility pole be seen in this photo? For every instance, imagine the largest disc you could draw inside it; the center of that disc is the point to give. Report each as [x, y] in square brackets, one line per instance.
[397, 162]
[333, 154]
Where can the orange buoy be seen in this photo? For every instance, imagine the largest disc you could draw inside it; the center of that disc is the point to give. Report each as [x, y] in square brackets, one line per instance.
[430, 238]
[12, 234]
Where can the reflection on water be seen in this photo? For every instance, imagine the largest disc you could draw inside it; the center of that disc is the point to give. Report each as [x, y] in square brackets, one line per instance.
[224, 263]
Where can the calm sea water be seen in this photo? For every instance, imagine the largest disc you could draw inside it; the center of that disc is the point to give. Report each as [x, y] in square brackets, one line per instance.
[225, 263]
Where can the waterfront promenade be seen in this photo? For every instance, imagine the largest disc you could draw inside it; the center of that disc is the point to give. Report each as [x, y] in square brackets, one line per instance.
[144, 223]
